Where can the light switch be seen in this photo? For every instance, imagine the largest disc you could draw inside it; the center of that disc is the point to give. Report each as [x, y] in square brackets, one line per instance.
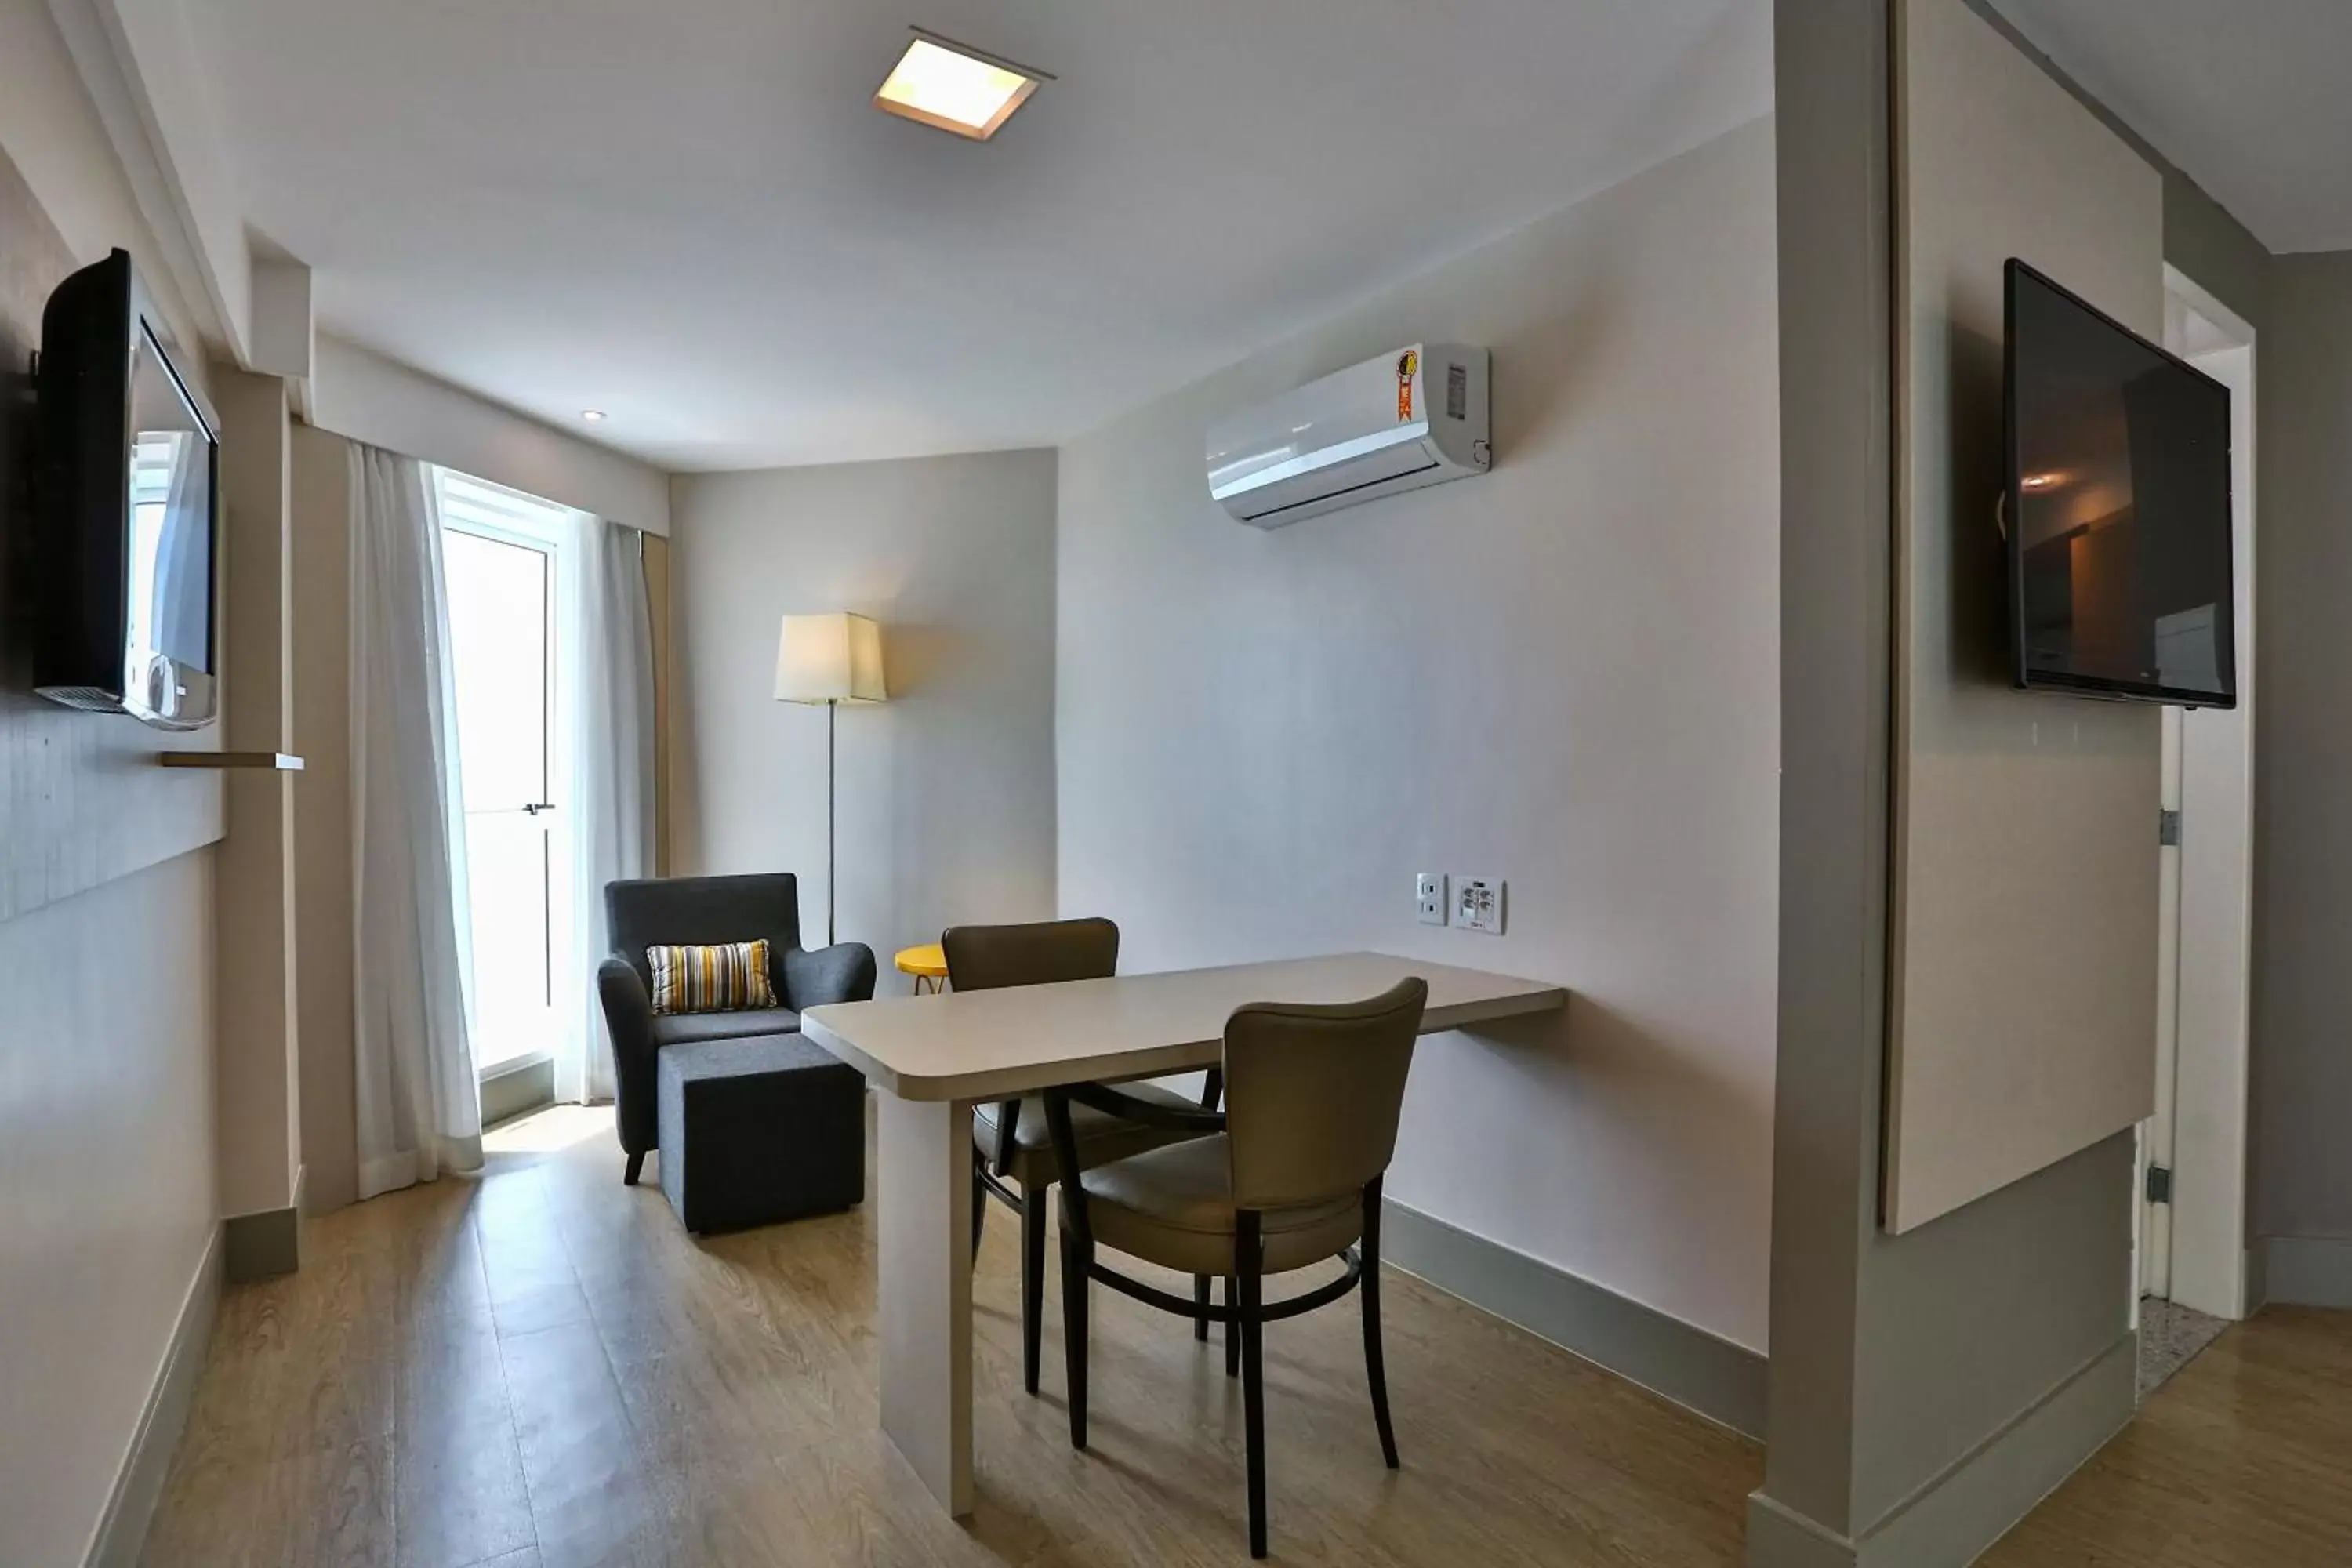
[1429, 892]
[1478, 904]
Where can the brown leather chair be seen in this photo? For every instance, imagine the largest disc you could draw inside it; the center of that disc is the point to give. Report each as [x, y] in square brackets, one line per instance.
[1288, 1176]
[1013, 1159]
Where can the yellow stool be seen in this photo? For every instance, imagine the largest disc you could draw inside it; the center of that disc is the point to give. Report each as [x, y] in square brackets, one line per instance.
[927, 962]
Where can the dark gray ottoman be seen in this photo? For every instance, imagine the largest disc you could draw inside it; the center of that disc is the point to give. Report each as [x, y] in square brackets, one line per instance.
[759, 1129]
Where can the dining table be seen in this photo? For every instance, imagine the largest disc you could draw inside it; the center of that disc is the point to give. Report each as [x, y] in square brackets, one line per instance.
[931, 1059]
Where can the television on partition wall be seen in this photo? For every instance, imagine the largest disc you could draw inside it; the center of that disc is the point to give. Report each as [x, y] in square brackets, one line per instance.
[129, 509]
[2118, 510]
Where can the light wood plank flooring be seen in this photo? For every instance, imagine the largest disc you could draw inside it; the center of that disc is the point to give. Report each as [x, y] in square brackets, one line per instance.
[537, 1369]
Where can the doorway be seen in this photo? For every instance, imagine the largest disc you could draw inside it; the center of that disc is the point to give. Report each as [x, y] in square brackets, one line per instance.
[2191, 1272]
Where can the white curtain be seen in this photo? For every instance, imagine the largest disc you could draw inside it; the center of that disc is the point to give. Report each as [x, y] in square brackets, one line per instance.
[606, 713]
[419, 1108]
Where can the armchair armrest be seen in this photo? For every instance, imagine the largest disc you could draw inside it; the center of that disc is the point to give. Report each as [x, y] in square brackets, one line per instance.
[629, 1019]
[628, 1010]
[842, 973]
[1150, 1113]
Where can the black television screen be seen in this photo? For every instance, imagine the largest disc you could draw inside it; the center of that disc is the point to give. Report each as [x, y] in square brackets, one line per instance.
[130, 510]
[2118, 507]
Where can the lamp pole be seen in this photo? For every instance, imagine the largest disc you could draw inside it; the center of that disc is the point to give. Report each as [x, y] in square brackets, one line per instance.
[832, 718]
[833, 659]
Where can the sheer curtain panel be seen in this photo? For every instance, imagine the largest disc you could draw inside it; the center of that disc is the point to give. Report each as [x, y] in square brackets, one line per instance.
[417, 1104]
[607, 711]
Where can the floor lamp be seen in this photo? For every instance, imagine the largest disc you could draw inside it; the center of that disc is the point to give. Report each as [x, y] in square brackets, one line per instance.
[829, 659]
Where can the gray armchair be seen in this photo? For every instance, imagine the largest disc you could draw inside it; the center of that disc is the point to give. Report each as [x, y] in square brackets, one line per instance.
[707, 909]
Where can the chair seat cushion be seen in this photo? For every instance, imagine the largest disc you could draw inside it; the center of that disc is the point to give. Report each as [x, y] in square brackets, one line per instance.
[1174, 1206]
[686, 1028]
[1101, 1135]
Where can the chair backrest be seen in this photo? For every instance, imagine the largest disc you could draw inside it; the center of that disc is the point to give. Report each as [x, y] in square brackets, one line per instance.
[704, 911]
[1313, 1094]
[984, 958]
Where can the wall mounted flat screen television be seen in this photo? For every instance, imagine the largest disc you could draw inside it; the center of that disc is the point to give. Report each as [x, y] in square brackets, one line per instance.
[2117, 509]
[129, 509]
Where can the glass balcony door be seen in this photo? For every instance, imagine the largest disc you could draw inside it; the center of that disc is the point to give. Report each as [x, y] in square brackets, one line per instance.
[501, 625]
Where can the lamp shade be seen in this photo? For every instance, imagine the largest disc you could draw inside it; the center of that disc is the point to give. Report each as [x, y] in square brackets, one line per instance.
[829, 658]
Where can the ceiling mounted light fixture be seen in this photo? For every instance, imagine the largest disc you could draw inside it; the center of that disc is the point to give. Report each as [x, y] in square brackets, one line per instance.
[593, 415]
[954, 87]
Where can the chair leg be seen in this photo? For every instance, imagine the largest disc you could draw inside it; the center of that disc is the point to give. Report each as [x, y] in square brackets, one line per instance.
[979, 1207]
[1033, 1281]
[1076, 1263]
[1252, 1376]
[636, 1163]
[1232, 1328]
[1200, 1307]
[1375, 1367]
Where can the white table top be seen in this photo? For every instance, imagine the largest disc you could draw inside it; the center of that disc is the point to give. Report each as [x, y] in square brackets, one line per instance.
[990, 1044]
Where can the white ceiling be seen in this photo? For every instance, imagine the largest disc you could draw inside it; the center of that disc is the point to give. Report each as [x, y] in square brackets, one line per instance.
[687, 214]
[2248, 97]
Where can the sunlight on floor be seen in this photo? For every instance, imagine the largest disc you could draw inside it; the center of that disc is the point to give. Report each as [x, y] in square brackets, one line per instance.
[545, 1131]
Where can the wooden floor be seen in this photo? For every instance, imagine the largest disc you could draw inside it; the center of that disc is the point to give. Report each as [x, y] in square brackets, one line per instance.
[537, 1369]
[2242, 1460]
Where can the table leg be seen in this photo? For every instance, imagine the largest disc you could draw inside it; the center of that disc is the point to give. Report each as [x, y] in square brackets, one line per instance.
[924, 1294]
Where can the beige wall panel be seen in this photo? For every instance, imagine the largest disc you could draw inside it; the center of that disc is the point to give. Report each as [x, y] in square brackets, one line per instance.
[322, 812]
[2023, 1011]
[258, 1115]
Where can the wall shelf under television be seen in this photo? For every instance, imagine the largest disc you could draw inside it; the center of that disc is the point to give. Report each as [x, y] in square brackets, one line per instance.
[279, 762]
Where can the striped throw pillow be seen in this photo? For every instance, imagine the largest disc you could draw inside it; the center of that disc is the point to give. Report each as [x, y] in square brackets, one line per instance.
[722, 979]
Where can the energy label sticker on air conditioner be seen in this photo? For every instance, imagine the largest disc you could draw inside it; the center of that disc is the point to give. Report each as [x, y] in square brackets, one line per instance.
[1408, 365]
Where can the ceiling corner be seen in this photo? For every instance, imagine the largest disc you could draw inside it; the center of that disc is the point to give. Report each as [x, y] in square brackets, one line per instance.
[138, 63]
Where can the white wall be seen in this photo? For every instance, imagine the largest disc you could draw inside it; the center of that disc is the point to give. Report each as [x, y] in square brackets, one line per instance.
[139, 61]
[106, 1016]
[360, 394]
[1564, 673]
[1928, 1388]
[2302, 1073]
[946, 791]
[55, 137]
[106, 1150]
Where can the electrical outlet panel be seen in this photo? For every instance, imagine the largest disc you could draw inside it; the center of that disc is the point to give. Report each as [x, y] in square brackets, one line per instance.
[1478, 904]
[1428, 893]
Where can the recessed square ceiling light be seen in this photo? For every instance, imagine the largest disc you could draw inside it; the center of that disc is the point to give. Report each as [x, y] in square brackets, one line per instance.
[956, 88]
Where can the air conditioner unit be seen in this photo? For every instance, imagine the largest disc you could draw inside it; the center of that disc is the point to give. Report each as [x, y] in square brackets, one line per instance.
[1413, 417]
